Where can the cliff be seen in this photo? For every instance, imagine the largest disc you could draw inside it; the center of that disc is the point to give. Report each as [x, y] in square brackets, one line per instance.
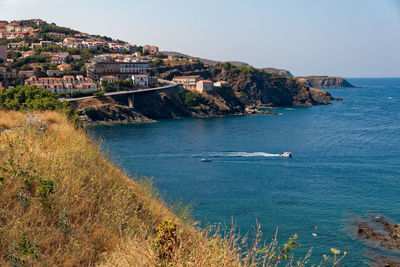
[255, 87]
[249, 88]
[278, 71]
[105, 110]
[325, 82]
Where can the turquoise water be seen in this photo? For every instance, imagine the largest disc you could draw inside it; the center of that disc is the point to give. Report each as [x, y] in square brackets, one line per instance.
[345, 165]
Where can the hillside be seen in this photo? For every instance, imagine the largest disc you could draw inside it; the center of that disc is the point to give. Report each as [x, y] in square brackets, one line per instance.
[64, 203]
[234, 63]
[325, 82]
[249, 89]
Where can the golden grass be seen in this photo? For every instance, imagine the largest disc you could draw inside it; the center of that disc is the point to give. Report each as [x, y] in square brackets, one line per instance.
[63, 203]
[11, 119]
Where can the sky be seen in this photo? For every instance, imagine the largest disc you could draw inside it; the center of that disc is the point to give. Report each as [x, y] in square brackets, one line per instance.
[348, 38]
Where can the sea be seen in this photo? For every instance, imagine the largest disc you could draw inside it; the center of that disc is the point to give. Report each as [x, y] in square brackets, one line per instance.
[345, 168]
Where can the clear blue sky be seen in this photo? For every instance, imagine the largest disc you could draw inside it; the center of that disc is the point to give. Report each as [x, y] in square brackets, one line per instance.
[350, 38]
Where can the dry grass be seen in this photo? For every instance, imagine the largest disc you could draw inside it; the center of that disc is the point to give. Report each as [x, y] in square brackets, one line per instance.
[63, 203]
[11, 119]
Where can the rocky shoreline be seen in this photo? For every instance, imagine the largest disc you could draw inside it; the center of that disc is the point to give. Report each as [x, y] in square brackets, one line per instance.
[250, 91]
[325, 82]
[383, 235]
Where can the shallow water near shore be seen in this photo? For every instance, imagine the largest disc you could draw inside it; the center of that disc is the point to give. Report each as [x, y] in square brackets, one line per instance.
[345, 164]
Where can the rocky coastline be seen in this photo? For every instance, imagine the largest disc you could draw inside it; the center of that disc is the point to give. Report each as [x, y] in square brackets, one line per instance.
[382, 234]
[325, 82]
[250, 92]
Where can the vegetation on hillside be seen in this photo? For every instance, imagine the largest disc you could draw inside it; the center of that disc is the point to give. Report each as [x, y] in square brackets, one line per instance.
[31, 98]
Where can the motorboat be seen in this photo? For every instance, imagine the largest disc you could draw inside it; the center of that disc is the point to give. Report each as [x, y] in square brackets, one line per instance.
[206, 160]
[286, 154]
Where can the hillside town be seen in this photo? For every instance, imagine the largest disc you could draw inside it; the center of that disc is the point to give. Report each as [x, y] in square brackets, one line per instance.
[70, 63]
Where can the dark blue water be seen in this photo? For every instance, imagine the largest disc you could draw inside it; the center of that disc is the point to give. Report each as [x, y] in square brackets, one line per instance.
[345, 165]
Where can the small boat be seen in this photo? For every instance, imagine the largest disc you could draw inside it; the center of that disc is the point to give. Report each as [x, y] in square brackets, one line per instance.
[206, 160]
[314, 234]
[286, 154]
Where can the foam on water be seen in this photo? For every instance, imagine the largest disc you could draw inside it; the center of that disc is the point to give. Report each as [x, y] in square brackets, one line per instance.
[243, 154]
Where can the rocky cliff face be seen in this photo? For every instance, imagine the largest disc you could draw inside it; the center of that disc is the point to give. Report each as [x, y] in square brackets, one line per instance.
[249, 88]
[325, 82]
[254, 87]
[105, 110]
[278, 71]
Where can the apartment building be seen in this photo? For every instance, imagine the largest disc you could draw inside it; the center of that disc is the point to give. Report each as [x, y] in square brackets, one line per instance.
[188, 82]
[123, 70]
[65, 84]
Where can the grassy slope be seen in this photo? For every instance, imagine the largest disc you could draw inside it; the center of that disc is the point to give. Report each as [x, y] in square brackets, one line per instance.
[63, 203]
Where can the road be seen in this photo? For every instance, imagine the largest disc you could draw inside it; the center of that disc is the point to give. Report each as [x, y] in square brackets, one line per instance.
[169, 85]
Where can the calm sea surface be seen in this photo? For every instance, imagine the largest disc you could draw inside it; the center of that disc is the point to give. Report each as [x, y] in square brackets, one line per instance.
[346, 165]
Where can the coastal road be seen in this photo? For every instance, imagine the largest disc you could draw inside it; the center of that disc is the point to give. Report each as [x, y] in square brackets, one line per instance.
[168, 85]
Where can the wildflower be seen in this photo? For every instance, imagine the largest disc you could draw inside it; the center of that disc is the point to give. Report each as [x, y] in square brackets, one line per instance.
[335, 251]
[325, 257]
[345, 253]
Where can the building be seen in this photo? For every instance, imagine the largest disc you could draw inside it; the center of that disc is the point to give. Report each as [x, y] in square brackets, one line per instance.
[14, 35]
[108, 79]
[56, 34]
[58, 60]
[151, 49]
[46, 43]
[5, 74]
[28, 53]
[141, 80]
[107, 66]
[63, 67]
[188, 82]
[26, 74]
[35, 45]
[53, 73]
[76, 57]
[3, 53]
[17, 45]
[221, 84]
[204, 86]
[62, 85]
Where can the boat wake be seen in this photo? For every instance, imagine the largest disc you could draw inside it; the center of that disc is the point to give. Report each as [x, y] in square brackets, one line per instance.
[243, 154]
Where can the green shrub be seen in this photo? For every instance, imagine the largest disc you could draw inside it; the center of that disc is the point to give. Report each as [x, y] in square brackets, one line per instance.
[30, 98]
[192, 99]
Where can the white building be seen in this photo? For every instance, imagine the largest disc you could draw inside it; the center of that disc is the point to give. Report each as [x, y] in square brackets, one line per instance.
[221, 84]
[204, 86]
[108, 79]
[188, 82]
[141, 80]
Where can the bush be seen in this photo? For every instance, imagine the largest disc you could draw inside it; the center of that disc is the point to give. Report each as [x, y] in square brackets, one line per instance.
[30, 98]
[192, 99]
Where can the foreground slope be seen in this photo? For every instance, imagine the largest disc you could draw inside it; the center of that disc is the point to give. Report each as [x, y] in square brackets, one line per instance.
[64, 203]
